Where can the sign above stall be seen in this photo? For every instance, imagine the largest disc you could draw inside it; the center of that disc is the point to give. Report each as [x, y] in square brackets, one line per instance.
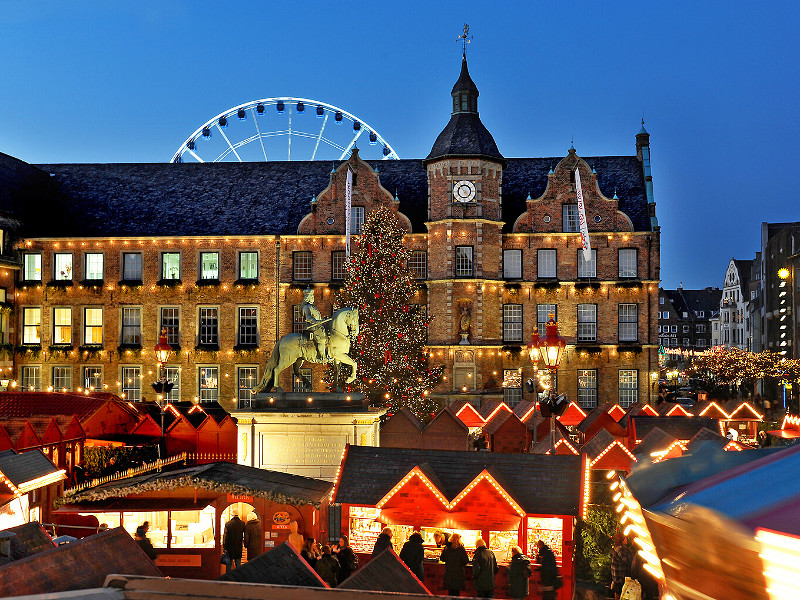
[239, 498]
[281, 520]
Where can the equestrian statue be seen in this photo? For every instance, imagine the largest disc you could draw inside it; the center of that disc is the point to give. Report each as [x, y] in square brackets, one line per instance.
[324, 341]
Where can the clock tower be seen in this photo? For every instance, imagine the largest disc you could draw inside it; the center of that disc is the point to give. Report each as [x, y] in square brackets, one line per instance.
[465, 173]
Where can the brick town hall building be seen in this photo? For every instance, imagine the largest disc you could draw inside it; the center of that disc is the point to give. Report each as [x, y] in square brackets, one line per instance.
[98, 258]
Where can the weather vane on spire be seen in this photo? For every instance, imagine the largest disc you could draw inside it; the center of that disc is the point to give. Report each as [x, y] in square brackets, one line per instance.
[465, 38]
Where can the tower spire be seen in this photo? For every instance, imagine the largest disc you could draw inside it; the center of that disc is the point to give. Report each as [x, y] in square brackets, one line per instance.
[465, 38]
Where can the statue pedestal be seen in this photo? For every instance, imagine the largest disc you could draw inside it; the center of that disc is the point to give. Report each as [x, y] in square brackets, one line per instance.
[464, 341]
[307, 401]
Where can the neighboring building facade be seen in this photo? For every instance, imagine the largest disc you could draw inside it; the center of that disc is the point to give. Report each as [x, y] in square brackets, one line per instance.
[733, 312]
[218, 255]
[686, 318]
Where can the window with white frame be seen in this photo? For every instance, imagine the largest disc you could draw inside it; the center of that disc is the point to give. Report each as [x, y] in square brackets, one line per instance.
[248, 265]
[208, 384]
[131, 266]
[543, 312]
[569, 218]
[512, 322]
[92, 325]
[512, 386]
[31, 378]
[246, 377]
[93, 266]
[512, 264]
[628, 262]
[173, 374]
[62, 266]
[628, 387]
[208, 329]
[298, 385]
[170, 266]
[298, 322]
[93, 378]
[418, 264]
[62, 325]
[31, 325]
[131, 380]
[661, 300]
[546, 263]
[62, 378]
[685, 329]
[132, 325]
[700, 328]
[248, 326]
[464, 264]
[32, 266]
[209, 266]
[171, 324]
[587, 322]
[673, 328]
[301, 265]
[628, 322]
[700, 343]
[587, 388]
[587, 268]
[356, 219]
[686, 342]
[338, 265]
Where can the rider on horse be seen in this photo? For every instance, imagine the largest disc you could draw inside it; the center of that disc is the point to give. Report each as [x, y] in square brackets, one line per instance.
[316, 324]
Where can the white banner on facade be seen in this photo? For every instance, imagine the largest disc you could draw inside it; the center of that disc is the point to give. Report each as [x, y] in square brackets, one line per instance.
[348, 196]
[585, 243]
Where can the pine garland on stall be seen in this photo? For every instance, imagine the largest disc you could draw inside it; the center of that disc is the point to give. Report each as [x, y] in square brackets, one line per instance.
[393, 368]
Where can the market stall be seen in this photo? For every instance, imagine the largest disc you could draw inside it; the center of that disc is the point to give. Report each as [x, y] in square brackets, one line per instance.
[506, 499]
[187, 510]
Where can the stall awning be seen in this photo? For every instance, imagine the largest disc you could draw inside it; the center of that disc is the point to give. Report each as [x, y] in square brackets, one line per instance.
[135, 505]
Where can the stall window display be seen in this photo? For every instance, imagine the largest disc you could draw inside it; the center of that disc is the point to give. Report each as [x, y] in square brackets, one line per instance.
[364, 528]
[158, 525]
[501, 543]
[193, 528]
[550, 531]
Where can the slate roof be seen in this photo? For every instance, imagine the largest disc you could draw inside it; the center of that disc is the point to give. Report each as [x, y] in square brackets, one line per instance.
[76, 566]
[552, 438]
[385, 573]
[656, 440]
[599, 442]
[280, 566]
[26, 466]
[465, 135]
[498, 420]
[705, 436]
[29, 538]
[219, 476]
[682, 428]
[538, 483]
[270, 198]
[690, 301]
[488, 408]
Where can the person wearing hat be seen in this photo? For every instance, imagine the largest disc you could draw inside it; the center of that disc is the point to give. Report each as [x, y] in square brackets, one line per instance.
[232, 540]
[253, 536]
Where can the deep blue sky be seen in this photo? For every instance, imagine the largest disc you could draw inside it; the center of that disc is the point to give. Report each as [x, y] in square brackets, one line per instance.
[717, 83]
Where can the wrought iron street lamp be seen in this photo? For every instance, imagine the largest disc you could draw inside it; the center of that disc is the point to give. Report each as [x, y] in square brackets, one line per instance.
[162, 387]
[551, 350]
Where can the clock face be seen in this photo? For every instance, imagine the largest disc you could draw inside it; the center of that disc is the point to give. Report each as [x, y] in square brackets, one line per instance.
[463, 191]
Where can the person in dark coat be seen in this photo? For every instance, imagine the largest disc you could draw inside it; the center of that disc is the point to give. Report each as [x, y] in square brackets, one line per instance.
[548, 570]
[519, 571]
[484, 568]
[620, 564]
[455, 559]
[348, 561]
[253, 536]
[328, 567]
[383, 542]
[310, 552]
[412, 553]
[232, 540]
[144, 541]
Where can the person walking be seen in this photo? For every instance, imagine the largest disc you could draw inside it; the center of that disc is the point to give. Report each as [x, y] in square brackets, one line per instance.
[519, 571]
[348, 561]
[328, 567]
[232, 540]
[412, 553]
[253, 536]
[620, 564]
[310, 552]
[484, 568]
[548, 571]
[144, 542]
[455, 559]
[383, 542]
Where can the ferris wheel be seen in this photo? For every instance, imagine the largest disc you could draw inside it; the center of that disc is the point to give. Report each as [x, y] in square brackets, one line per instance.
[283, 129]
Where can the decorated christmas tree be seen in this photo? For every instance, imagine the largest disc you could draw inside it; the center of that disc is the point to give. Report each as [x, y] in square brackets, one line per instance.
[390, 351]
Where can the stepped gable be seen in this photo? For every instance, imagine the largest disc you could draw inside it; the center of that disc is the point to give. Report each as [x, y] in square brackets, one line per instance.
[78, 565]
[385, 573]
[280, 566]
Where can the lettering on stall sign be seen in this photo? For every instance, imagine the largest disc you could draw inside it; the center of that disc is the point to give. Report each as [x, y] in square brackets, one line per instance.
[280, 520]
[238, 498]
[178, 560]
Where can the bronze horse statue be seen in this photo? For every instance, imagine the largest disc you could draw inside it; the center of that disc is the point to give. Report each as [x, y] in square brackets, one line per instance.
[295, 348]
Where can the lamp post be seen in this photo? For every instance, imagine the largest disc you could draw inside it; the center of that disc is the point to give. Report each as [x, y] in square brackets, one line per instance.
[162, 387]
[551, 349]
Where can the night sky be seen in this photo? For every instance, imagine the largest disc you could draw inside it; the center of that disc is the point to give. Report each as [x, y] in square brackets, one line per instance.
[716, 82]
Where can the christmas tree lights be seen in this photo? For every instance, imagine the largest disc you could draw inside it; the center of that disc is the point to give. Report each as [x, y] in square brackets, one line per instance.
[393, 369]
